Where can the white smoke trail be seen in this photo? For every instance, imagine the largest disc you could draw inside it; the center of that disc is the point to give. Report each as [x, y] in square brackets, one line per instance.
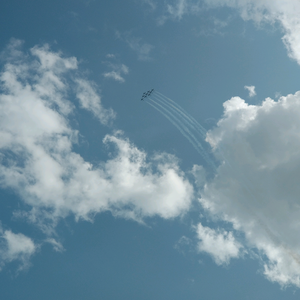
[181, 121]
[179, 125]
[175, 123]
[196, 143]
[180, 113]
[201, 129]
[184, 119]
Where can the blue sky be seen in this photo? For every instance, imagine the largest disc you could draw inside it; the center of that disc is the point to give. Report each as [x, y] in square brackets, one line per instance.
[102, 197]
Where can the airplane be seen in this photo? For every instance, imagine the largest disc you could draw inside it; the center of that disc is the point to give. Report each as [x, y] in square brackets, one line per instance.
[147, 94]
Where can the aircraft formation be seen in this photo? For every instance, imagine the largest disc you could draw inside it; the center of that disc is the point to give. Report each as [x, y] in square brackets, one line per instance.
[147, 94]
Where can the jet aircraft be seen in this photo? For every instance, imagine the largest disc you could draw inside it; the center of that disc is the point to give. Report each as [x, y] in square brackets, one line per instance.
[147, 94]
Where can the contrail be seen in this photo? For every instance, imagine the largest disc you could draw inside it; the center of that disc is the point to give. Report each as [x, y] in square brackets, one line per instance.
[195, 142]
[180, 120]
[181, 114]
[169, 117]
[178, 124]
[201, 129]
[189, 120]
[184, 118]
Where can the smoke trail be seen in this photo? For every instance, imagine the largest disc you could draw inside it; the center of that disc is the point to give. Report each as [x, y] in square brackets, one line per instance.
[185, 117]
[181, 121]
[179, 126]
[201, 129]
[190, 122]
[195, 142]
[182, 126]
[169, 117]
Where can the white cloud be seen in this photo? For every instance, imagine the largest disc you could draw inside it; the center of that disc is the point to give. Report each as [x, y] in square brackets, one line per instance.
[256, 187]
[116, 73]
[38, 163]
[86, 92]
[251, 90]
[221, 245]
[44, 74]
[16, 247]
[57, 246]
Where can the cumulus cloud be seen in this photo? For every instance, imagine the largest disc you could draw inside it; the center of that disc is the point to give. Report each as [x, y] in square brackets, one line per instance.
[251, 90]
[117, 71]
[38, 161]
[15, 247]
[220, 244]
[256, 185]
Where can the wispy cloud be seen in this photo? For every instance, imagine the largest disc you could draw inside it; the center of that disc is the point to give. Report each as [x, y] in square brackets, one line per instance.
[89, 99]
[117, 71]
[75, 23]
[251, 90]
[286, 13]
[152, 4]
[213, 26]
[57, 246]
[110, 55]
[141, 48]
[176, 9]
